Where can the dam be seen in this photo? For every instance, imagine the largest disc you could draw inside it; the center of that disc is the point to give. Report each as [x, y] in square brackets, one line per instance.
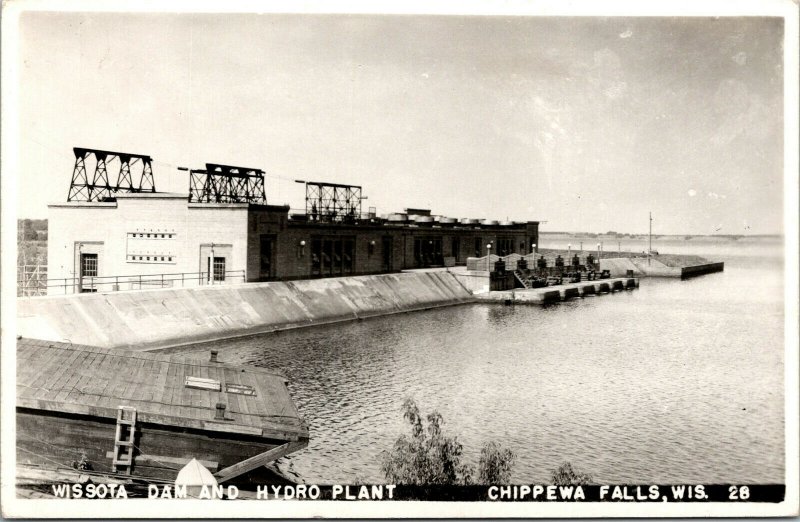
[554, 294]
[147, 271]
[152, 319]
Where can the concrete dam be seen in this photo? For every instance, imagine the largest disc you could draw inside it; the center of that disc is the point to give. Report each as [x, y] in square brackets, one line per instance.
[160, 318]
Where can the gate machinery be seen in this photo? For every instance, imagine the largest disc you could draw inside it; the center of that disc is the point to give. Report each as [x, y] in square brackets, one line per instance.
[227, 184]
[332, 202]
[131, 167]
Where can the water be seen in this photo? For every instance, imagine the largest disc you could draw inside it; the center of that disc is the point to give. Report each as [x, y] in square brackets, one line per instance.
[678, 381]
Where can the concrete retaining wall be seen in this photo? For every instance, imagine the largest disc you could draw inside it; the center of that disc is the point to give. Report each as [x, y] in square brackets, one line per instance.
[655, 268]
[619, 267]
[639, 266]
[693, 271]
[152, 319]
[476, 281]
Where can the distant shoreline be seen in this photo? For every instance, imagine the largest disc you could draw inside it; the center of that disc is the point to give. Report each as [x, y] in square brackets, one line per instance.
[678, 237]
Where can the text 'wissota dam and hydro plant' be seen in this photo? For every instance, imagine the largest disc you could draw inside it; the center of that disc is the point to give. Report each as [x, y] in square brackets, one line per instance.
[167, 338]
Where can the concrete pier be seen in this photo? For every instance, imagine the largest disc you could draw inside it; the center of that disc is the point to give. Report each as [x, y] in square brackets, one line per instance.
[642, 267]
[551, 294]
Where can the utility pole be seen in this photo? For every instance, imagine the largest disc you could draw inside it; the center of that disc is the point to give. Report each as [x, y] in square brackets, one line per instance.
[650, 240]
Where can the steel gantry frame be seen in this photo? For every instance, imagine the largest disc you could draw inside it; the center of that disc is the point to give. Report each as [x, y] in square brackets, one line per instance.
[100, 188]
[332, 201]
[226, 184]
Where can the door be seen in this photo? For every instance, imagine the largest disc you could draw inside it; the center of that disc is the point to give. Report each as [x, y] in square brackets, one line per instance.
[267, 262]
[214, 265]
[216, 269]
[88, 272]
[386, 253]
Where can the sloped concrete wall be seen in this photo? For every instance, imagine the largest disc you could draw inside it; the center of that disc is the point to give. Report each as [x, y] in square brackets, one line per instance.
[159, 318]
[476, 281]
[656, 268]
[619, 267]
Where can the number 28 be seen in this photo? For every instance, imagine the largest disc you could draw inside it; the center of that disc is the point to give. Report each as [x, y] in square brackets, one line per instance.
[738, 493]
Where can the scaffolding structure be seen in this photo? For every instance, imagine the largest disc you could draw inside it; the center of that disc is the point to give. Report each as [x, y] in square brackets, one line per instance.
[31, 280]
[226, 184]
[132, 167]
[332, 202]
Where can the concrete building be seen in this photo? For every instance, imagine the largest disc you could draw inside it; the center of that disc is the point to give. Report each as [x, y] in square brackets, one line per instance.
[152, 239]
[119, 233]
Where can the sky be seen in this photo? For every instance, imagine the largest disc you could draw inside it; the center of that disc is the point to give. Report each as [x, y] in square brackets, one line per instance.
[585, 123]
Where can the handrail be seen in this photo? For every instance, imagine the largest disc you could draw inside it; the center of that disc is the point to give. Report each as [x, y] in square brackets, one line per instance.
[93, 282]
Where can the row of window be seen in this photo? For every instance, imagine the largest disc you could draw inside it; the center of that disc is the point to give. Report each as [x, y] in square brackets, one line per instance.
[336, 255]
[152, 259]
[504, 247]
[151, 235]
[332, 256]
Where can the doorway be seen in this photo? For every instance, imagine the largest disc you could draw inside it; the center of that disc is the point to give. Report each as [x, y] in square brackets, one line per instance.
[386, 253]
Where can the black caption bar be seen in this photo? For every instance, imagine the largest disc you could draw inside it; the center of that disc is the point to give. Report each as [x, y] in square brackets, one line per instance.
[748, 493]
[765, 493]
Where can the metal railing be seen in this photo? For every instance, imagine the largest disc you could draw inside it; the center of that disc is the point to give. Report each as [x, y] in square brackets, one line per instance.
[68, 285]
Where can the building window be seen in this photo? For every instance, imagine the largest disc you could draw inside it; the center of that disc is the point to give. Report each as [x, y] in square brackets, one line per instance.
[456, 251]
[337, 257]
[219, 269]
[428, 252]
[88, 265]
[316, 257]
[505, 247]
[478, 247]
[332, 256]
[347, 256]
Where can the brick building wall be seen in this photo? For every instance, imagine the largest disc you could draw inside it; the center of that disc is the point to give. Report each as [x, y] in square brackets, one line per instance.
[294, 245]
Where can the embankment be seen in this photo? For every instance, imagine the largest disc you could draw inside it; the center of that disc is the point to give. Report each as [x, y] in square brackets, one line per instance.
[654, 267]
[639, 267]
[152, 319]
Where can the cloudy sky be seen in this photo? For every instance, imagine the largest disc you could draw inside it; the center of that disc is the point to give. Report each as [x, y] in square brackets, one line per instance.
[586, 123]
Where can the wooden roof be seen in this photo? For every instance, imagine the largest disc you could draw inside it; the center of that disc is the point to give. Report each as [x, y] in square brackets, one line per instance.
[94, 381]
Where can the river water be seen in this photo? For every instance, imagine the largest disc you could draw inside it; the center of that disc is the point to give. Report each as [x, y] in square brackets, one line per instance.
[678, 381]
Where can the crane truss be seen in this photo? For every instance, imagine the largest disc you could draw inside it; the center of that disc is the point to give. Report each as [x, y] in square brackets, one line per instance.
[135, 175]
[333, 202]
[226, 184]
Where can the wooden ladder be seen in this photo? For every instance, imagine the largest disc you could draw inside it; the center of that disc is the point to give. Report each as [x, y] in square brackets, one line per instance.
[123, 439]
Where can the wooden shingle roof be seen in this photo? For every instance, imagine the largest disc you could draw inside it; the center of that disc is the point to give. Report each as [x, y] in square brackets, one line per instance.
[86, 380]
